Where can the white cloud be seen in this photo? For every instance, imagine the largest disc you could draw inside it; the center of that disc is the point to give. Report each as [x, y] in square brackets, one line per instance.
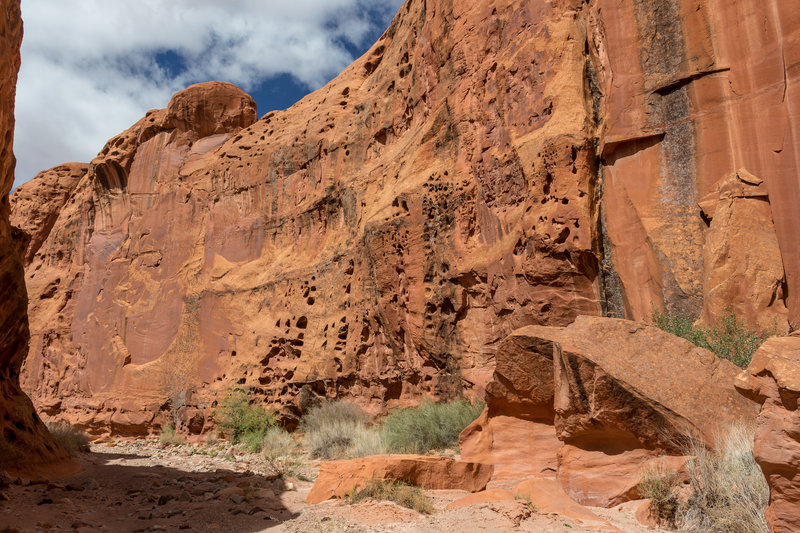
[89, 68]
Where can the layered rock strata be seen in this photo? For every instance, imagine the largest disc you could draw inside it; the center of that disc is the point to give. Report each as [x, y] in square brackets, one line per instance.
[25, 445]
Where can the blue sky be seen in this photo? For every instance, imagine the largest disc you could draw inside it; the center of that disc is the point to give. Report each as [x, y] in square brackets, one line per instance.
[90, 69]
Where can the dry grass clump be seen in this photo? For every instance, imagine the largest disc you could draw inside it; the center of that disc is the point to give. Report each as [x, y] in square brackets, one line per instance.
[431, 426]
[338, 429]
[397, 492]
[727, 492]
[279, 451]
[169, 436]
[71, 439]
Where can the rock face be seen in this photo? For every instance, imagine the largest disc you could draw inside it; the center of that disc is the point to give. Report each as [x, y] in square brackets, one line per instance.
[742, 266]
[375, 240]
[36, 205]
[621, 394]
[338, 478]
[691, 92]
[483, 167]
[773, 379]
[25, 445]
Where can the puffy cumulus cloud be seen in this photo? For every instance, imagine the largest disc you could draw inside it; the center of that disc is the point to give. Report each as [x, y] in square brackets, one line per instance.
[92, 68]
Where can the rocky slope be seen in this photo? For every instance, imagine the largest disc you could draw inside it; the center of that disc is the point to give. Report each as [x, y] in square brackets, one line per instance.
[484, 166]
[25, 444]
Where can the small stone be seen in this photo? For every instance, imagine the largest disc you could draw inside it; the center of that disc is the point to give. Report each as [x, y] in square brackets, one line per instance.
[90, 484]
[236, 498]
[3, 497]
[45, 501]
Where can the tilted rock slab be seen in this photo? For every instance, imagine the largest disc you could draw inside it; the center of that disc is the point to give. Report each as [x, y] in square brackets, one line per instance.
[773, 380]
[25, 445]
[620, 394]
[338, 478]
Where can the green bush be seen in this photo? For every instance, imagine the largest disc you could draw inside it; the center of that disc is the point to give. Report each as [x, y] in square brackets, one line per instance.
[71, 439]
[333, 427]
[240, 420]
[431, 426]
[733, 340]
[397, 492]
[660, 485]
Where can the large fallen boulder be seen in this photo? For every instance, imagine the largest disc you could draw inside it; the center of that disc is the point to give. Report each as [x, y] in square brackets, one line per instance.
[773, 380]
[338, 478]
[620, 395]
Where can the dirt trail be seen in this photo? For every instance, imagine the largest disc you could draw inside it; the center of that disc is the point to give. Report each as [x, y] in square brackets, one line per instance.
[138, 486]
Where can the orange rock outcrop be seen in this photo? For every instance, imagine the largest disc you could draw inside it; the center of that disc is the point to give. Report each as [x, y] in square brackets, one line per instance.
[375, 240]
[617, 398]
[25, 445]
[773, 380]
[483, 167]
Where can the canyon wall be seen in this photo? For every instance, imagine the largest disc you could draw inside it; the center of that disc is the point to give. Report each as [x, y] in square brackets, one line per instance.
[693, 91]
[484, 166]
[375, 240]
[25, 445]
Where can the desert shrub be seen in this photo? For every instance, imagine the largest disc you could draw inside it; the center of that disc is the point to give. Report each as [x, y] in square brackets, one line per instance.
[734, 340]
[333, 427]
[240, 420]
[728, 491]
[278, 449]
[431, 426]
[366, 441]
[660, 484]
[397, 492]
[169, 436]
[71, 439]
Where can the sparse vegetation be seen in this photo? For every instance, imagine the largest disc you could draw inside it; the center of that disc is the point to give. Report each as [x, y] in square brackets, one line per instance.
[242, 421]
[169, 436]
[278, 449]
[660, 484]
[338, 429]
[727, 491]
[431, 426]
[71, 439]
[734, 340]
[397, 492]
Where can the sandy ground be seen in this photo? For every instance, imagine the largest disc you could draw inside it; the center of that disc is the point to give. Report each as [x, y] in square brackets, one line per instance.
[137, 486]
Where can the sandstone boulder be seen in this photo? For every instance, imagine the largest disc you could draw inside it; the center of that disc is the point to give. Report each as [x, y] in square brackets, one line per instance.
[623, 395]
[549, 497]
[742, 263]
[773, 379]
[337, 478]
[622, 385]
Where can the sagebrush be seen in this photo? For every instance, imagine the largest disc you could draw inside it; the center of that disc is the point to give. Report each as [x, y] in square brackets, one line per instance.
[734, 340]
[336, 429]
[431, 426]
[70, 438]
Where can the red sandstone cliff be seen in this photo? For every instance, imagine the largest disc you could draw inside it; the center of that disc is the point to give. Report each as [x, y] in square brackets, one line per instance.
[485, 166]
[25, 445]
